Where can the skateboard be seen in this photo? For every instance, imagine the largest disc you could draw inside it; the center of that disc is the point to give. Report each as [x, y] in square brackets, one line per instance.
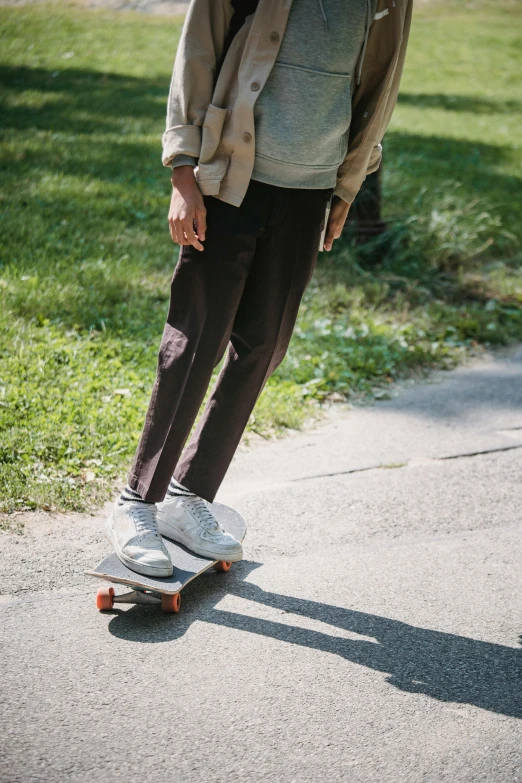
[164, 592]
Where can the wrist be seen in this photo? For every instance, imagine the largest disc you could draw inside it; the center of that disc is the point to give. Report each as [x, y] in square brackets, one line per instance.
[182, 174]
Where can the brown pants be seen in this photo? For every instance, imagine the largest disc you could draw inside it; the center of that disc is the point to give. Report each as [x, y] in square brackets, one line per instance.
[242, 291]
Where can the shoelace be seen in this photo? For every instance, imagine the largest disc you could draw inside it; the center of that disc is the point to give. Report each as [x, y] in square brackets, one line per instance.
[203, 515]
[146, 522]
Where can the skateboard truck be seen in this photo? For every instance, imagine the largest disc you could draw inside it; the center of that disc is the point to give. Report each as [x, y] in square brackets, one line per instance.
[169, 602]
[106, 598]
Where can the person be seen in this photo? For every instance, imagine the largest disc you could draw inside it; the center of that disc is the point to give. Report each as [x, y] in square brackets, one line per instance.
[276, 113]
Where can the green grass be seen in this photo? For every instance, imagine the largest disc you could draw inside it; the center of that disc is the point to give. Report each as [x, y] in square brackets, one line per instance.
[86, 258]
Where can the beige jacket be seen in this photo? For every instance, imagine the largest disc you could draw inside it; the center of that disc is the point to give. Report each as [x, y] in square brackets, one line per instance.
[213, 119]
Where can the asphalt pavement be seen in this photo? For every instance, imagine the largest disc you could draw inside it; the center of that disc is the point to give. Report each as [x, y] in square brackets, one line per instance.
[372, 632]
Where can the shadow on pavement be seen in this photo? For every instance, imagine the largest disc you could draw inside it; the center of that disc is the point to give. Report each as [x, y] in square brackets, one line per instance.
[441, 665]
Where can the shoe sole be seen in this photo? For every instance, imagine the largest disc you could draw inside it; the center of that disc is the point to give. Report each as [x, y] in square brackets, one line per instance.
[143, 570]
[227, 557]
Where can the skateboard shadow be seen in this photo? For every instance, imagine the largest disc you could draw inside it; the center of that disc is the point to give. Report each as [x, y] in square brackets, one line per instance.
[444, 666]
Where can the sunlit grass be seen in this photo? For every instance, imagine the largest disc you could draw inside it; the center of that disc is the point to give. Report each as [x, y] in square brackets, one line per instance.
[86, 258]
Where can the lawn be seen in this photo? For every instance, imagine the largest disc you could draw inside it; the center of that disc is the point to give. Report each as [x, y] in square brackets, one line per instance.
[86, 260]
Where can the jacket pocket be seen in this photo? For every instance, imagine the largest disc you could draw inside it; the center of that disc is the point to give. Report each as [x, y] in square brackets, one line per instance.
[213, 162]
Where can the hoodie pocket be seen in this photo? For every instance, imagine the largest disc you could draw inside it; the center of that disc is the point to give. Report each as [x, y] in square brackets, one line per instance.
[213, 162]
[303, 115]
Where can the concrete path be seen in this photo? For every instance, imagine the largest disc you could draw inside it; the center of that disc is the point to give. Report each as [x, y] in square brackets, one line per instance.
[371, 634]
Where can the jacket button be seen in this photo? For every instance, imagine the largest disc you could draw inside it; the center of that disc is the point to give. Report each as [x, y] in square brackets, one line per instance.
[254, 86]
[247, 137]
[274, 37]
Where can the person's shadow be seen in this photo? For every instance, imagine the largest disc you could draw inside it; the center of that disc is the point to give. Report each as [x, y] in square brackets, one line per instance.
[444, 666]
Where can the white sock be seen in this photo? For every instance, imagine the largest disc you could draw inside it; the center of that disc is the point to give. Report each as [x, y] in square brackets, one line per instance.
[176, 490]
[130, 495]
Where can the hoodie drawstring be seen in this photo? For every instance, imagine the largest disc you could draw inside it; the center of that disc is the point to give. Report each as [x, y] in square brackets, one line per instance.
[323, 12]
[367, 26]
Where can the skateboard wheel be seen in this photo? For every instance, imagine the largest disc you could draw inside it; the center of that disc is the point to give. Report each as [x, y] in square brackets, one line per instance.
[171, 603]
[105, 598]
[223, 565]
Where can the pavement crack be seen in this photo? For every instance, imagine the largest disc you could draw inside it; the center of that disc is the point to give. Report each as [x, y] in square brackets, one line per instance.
[336, 473]
[409, 462]
[482, 451]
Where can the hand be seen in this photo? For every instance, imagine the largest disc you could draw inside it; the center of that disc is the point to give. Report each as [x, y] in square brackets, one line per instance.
[186, 208]
[336, 221]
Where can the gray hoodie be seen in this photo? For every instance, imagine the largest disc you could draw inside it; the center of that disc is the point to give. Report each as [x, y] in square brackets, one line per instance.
[302, 116]
[212, 120]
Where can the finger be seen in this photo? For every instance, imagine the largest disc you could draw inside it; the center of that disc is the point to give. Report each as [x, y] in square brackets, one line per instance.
[201, 223]
[180, 233]
[330, 236]
[192, 239]
[172, 230]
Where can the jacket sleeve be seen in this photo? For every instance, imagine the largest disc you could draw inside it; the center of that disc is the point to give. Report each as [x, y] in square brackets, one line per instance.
[195, 69]
[375, 159]
[370, 100]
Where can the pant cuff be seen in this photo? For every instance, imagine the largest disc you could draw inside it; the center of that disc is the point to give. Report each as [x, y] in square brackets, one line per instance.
[145, 492]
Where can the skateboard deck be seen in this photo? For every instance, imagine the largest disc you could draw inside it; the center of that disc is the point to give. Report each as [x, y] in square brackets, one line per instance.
[166, 591]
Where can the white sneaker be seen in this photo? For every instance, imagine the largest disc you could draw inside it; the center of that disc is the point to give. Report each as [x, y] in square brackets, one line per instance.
[132, 529]
[190, 521]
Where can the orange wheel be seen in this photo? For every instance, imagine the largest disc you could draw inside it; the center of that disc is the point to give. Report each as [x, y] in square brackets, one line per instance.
[105, 598]
[223, 566]
[171, 603]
